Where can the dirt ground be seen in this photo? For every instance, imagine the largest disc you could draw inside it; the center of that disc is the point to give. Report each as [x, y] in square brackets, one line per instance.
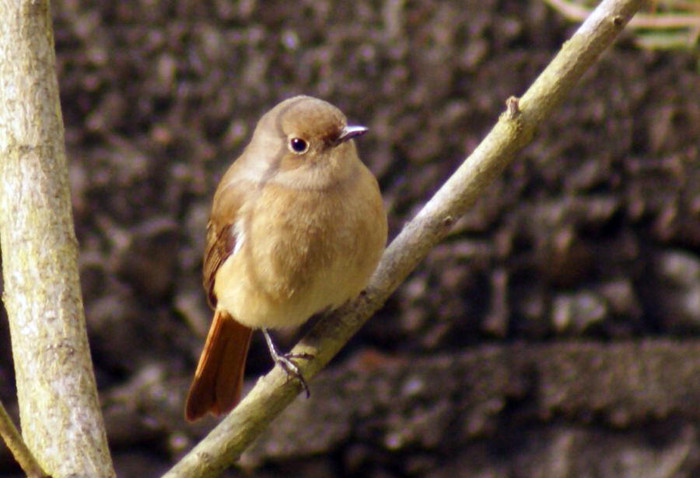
[556, 332]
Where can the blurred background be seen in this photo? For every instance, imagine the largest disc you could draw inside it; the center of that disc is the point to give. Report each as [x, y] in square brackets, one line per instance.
[555, 332]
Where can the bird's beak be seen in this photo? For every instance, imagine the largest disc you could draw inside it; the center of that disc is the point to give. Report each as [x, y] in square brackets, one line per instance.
[350, 132]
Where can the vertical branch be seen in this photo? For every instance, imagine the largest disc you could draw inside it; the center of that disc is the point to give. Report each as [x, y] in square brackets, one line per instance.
[59, 409]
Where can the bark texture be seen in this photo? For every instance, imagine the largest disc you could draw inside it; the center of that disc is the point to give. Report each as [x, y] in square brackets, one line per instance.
[59, 409]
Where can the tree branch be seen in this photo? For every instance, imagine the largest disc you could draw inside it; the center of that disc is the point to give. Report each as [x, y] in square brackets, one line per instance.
[59, 409]
[514, 130]
[19, 449]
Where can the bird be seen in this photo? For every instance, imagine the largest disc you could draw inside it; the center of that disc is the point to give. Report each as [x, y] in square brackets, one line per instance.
[297, 226]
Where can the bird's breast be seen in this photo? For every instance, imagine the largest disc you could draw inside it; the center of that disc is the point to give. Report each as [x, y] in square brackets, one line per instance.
[304, 250]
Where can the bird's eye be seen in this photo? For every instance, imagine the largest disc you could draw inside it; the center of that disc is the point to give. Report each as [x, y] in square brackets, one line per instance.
[298, 146]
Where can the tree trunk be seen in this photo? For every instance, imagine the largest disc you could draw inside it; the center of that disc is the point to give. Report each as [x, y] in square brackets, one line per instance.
[59, 408]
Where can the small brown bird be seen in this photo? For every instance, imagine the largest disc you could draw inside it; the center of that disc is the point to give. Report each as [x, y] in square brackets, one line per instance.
[297, 226]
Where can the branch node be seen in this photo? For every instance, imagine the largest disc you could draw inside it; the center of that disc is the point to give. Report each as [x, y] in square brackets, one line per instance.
[448, 222]
[512, 108]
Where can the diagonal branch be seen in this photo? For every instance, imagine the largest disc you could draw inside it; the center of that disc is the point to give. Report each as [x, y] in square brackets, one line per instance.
[14, 442]
[515, 129]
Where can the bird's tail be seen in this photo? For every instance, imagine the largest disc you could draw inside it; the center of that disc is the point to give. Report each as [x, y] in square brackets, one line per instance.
[217, 383]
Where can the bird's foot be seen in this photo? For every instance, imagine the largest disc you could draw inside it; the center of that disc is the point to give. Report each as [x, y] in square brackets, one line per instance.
[286, 362]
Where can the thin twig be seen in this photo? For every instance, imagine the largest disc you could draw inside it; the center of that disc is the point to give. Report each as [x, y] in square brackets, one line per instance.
[576, 12]
[18, 448]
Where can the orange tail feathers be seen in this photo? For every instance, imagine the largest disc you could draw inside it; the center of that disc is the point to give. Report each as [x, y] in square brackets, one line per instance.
[217, 383]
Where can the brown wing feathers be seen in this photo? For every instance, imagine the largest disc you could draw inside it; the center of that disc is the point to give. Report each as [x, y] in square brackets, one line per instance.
[220, 244]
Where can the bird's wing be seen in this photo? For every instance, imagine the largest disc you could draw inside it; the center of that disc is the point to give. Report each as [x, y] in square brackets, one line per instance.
[221, 236]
